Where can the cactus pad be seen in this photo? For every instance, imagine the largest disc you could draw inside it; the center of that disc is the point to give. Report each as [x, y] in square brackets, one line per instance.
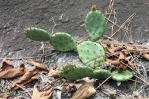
[95, 24]
[91, 53]
[62, 42]
[101, 74]
[37, 34]
[122, 75]
[72, 72]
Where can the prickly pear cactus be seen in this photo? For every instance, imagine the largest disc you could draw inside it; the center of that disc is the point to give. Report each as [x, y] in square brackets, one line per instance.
[95, 24]
[101, 74]
[122, 75]
[72, 72]
[62, 42]
[37, 34]
[91, 53]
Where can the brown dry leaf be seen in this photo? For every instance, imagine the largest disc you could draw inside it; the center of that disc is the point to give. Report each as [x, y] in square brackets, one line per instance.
[15, 86]
[146, 56]
[6, 65]
[26, 78]
[39, 65]
[53, 73]
[41, 95]
[85, 91]
[121, 55]
[128, 63]
[11, 73]
[28, 75]
[113, 62]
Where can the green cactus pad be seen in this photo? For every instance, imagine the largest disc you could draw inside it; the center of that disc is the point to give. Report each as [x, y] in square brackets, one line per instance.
[95, 24]
[37, 34]
[122, 75]
[72, 72]
[101, 74]
[62, 42]
[89, 51]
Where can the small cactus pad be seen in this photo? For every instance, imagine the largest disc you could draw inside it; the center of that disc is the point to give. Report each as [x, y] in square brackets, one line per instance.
[122, 75]
[62, 42]
[101, 74]
[72, 72]
[37, 34]
[91, 53]
[95, 24]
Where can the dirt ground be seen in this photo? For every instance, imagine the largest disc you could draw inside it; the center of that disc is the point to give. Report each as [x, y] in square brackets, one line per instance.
[68, 15]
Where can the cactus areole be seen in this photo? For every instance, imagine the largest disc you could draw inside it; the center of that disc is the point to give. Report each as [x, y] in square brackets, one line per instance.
[95, 24]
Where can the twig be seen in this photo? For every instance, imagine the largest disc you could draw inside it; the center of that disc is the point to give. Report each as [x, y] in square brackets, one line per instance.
[128, 20]
[54, 25]
[147, 83]
[104, 81]
[115, 24]
[22, 88]
[110, 8]
[17, 58]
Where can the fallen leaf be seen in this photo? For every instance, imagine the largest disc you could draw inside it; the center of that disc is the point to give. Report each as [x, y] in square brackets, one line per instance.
[38, 64]
[15, 85]
[11, 73]
[85, 91]
[27, 77]
[53, 73]
[146, 56]
[6, 65]
[126, 62]
[41, 95]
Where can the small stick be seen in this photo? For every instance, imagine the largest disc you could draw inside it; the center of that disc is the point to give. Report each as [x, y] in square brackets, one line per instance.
[54, 25]
[22, 88]
[141, 80]
[104, 81]
[17, 58]
[129, 19]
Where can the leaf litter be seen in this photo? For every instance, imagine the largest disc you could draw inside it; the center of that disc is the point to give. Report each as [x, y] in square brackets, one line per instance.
[118, 55]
